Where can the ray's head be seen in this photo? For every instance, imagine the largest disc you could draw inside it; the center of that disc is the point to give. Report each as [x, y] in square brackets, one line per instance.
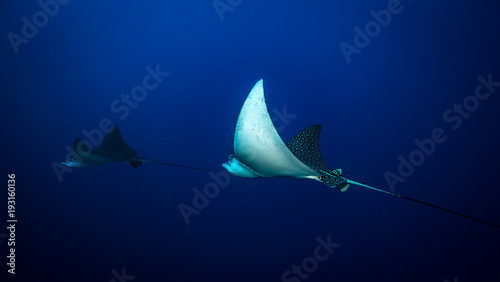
[237, 168]
[72, 162]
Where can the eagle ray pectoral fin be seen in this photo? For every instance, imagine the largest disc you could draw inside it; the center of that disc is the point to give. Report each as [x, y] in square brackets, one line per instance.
[259, 151]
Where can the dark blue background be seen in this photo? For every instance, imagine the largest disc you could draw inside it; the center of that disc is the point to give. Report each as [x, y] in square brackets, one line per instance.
[396, 90]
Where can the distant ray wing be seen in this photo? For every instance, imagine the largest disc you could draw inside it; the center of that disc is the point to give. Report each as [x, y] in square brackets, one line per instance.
[113, 147]
[305, 146]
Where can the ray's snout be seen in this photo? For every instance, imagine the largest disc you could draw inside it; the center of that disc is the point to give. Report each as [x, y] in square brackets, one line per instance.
[237, 168]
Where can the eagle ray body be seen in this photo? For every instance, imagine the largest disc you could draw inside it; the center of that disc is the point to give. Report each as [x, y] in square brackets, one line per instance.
[112, 149]
[259, 151]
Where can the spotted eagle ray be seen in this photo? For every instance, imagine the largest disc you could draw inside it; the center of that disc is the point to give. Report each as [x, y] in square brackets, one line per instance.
[259, 151]
[112, 149]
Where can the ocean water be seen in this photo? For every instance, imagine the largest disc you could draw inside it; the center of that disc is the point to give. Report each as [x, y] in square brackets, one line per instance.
[406, 91]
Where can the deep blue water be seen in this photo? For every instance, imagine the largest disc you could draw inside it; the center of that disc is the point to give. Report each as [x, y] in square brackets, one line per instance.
[401, 84]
